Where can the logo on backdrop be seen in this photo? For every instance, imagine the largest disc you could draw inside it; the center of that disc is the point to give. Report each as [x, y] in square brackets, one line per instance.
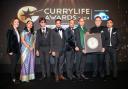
[30, 12]
[26, 13]
[102, 13]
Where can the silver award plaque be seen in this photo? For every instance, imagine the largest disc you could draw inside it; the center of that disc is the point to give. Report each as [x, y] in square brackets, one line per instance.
[93, 43]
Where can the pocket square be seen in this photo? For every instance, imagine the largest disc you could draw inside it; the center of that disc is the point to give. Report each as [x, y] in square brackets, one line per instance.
[102, 31]
[114, 32]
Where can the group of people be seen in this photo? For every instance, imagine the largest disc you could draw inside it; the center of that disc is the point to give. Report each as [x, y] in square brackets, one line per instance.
[61, 46]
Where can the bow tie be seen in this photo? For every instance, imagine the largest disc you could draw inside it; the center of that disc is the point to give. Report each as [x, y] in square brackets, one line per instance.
[59, 29]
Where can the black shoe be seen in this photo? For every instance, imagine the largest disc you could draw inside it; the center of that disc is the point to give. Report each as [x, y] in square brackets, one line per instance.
[83, 76]
[69, 78]
[73, 76]
[101, 75]
[78, 76]
[15, 81]
[107, 78]
[43, 77]
[114, 77]
[94, 76]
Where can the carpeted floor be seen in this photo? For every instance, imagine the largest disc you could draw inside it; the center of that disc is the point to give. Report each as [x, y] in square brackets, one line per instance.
[120, 83]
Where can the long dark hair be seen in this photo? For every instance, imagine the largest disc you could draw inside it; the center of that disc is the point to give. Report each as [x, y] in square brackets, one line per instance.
[32, 29]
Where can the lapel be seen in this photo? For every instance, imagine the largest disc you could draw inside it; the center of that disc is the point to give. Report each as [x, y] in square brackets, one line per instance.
[78, 31]
[40, 31]
[113, 31]
[60, 34]
[47, 31]
[46, 34]
[71, 32]
[14, 32]
[109, 32]
[42, 36]
[56, 30]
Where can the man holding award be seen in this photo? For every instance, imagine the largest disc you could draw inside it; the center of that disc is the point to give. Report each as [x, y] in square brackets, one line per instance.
[95, 47]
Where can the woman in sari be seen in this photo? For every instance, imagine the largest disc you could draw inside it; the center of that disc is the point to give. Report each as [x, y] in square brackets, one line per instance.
[27, 53]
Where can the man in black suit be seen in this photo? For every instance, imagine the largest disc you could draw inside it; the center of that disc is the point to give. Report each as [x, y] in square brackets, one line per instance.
[13, 47]
[112, 43]
[43, 45]
[58, 48]
[70, 48]
[80, 33]
[98, 57]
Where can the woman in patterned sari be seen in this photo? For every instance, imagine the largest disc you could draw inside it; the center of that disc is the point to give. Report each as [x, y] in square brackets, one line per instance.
[27, 53]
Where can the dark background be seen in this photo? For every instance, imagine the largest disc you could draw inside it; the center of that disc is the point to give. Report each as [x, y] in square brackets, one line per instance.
[118, 10]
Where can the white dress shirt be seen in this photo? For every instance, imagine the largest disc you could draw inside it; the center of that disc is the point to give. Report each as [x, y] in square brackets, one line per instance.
[18, 36]
[110, 30]
[61, 34]
[43, 30]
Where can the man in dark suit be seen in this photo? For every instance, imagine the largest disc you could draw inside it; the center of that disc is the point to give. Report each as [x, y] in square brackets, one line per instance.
[13, 47]
[43, 45]
[80, 33]
[58, 48]
[98, 57]
[70, 48]
[112, 43]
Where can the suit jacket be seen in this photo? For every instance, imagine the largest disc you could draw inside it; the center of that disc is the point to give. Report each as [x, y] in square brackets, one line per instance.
[12, 41]
[43, 41]
[99, 30]
[77, 37]
[58, 43]
[115, 38]
[70, 39]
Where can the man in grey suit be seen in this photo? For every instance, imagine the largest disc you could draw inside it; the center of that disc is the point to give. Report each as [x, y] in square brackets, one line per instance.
[57, 49]
[43, 46]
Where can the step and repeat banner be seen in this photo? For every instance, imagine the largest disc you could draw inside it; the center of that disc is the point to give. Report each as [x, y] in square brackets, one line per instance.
[64, 10]
[52, 10]
[65, 14]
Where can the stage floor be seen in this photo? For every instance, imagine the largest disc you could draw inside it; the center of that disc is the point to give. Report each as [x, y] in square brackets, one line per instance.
[92, 83]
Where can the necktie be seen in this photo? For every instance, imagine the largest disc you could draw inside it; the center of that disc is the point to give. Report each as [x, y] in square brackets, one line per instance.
[44, 32]
[72, 29]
